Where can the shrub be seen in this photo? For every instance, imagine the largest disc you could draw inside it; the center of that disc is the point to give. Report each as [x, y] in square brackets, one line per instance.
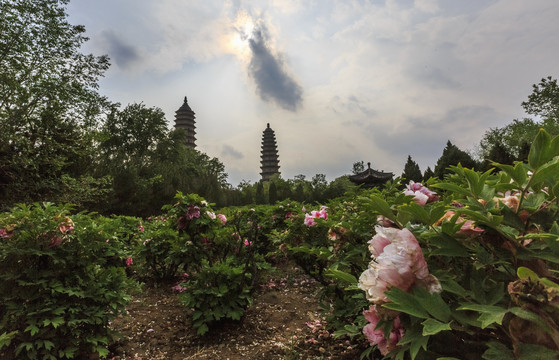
[62, 281]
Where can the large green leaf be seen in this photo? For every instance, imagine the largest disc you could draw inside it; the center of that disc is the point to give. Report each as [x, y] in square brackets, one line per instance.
[405, 302]
[497, 351]
[539, 152]
[432, 327]
[489, 314]
[341, 275]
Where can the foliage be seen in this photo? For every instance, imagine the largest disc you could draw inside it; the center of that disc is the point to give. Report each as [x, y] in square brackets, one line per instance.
[48, 100]
[544, 100]
[412, 171]
[513, 140]
[492, 243]
[62, 280]
[452, 155]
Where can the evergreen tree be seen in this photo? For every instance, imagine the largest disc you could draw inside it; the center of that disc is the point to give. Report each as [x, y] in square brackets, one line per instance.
[260, 197]
[272, 193]
[411, 171]
[428, 174]
[452, 155]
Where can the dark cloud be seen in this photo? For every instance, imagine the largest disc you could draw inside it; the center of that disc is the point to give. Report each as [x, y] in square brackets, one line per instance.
[122, 54]
[229, 151]
[268, 72]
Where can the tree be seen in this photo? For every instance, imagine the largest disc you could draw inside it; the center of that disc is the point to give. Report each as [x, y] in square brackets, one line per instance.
[358, 167]
[412, 171]
[49, 105]
[272, 193]
[499, 154]
[516, 137]
[260, 197]
[544, 100]
[452, 155]
[428, 174]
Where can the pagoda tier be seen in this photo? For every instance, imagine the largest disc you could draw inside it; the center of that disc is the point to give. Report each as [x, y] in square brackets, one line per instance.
[184, 119]
[269, 163]
[371, 178]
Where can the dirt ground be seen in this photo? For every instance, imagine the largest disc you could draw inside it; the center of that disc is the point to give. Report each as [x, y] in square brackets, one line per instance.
[284, 322]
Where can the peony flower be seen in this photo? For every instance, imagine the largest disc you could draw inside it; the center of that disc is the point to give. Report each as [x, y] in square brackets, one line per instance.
[66, 226]
[398, 261]
[222, 218]
[129, 261]
[211, 215]
[204, 203]
[309, 220]
[247, 243]
[421, 194]
[376, 336]
[468, 226]
[6, 234]
[192, 212]
[55, 241]
[179, 288]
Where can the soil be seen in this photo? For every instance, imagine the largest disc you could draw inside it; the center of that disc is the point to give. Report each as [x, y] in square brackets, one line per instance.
[284, 322]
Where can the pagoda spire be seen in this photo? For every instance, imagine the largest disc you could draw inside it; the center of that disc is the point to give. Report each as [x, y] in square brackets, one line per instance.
[269, 163]
[185, 119]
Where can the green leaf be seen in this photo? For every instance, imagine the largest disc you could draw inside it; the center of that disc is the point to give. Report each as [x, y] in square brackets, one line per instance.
[448, 246]
[525, 273]
[497, 351]
[202, 329]
[405, 302]
[452, 187]
[433, 303]
[341, 275]
[417, 212]
[432, 327]
[535, 352]
[382, 207]
[539, 152]
[416, 339]
[489, 314]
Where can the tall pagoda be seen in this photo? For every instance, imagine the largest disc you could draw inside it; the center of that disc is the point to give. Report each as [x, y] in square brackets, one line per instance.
[184, 119]
[269, 163]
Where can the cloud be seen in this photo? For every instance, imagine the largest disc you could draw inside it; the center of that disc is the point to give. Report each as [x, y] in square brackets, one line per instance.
[268, 71]
[229, 151]
[122, 54]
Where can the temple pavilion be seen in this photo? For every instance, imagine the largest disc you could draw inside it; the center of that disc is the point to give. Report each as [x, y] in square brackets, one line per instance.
[371, 178]
[269, 163]
[184, 119]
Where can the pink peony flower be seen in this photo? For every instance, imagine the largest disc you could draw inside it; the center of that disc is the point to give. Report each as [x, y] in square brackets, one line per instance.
[141, 228]
[192, 212]
[247, 243]
[55, 241]
[6, 234]
[66, 226]
[468, 227]
[376, 336]
[398, 261]
[421, 194]
[179, 288]
[309, 220]
[222, 218]
[129, 261]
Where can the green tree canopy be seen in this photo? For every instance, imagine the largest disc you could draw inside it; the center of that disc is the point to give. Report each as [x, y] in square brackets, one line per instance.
[452, 155]
[49, 104]
[411, 171]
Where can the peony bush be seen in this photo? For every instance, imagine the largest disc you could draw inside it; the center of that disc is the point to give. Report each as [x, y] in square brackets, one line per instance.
[62, 279]
[473, 273]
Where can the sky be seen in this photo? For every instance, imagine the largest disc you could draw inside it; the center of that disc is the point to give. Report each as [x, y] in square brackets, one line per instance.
[338, 81]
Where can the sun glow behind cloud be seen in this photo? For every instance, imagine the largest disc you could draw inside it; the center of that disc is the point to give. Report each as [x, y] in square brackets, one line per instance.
[375, 81]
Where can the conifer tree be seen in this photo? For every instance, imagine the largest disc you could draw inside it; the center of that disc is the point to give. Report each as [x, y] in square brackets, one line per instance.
[411, 171]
